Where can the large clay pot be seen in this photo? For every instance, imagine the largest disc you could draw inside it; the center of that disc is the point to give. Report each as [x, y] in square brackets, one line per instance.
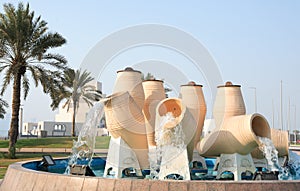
[130, 80]
[154, 92]
[229, 102]
[237, 134]
[125, 119]
[192, 96]
[182, 116]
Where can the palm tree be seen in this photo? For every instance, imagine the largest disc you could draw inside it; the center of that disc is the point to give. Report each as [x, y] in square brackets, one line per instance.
[3, 105]
[149, 76]
[76, 88]
[24, 45]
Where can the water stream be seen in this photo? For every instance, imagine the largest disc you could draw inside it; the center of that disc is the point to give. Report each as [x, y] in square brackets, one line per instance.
[83, 148]
[166, 139]
[271, 154]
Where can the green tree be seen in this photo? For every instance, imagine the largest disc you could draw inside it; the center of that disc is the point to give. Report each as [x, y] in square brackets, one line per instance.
[149, 76]
[24, 45]
[76, 88]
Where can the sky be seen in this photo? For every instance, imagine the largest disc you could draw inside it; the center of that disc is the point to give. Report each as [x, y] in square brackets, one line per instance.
[254, 43]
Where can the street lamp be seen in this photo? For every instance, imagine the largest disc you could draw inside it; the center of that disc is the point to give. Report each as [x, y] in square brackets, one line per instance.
[21, 120]
[255, 98]
[295, 124]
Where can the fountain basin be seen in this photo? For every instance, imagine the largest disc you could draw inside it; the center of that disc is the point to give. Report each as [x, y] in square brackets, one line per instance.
[18, 177]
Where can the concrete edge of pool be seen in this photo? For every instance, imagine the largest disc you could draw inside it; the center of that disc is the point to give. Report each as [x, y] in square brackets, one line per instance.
[19, 178]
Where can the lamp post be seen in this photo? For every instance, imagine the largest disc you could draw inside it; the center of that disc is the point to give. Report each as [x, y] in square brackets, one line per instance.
[21, 121]
[255, 98]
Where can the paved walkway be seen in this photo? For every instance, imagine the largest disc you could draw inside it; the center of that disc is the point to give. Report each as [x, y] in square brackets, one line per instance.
[97, 151]
[50, 150]
[68, 150]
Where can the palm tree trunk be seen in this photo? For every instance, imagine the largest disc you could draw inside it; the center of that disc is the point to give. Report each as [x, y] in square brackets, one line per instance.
[74, 119]
[14, 124]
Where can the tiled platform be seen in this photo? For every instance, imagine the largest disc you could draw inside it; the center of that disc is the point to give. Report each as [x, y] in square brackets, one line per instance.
[19, 178]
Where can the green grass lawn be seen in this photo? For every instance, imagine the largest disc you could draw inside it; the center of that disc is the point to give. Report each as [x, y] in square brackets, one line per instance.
[62, 142]
[102, 142]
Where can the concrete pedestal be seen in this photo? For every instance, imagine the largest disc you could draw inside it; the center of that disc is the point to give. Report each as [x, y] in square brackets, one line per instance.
[174, 161]
[119, 157]
[260, 163]
[237, 164]
[198, 158]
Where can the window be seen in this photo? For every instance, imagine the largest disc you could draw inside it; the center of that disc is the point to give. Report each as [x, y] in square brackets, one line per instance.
[59, 127]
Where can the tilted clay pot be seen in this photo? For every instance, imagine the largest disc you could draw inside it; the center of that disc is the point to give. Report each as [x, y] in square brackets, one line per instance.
[182, 116]
[130, 80]
[237, 134]
[192, 96]
[154, 92]
[125, 119]
[229, 102]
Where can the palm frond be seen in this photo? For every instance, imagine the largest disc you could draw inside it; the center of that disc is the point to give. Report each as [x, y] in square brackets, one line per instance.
[3, 106]
[25, 86]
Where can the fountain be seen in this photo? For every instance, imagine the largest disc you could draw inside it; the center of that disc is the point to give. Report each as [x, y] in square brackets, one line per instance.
[153, 140]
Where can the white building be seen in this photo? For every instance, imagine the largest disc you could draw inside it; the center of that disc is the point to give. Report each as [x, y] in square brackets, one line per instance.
[62, 124]
[28, 128]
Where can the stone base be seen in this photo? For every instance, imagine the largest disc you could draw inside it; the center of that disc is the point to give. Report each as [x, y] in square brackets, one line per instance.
[200, 159]
[174, 161]
[237, 164]
[260, 163]
[119, 157]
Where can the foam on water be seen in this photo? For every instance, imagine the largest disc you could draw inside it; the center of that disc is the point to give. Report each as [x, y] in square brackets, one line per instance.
[294, 165]
[271, 154]
[83, 148]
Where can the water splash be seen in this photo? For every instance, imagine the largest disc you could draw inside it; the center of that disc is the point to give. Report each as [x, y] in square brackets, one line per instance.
[294, 165]
[271, 154]
[166, 138]
[83, 148]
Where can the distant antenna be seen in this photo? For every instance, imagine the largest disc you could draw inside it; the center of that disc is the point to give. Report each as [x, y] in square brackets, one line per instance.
[280, 116]
[273, 118]
[289, 116]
